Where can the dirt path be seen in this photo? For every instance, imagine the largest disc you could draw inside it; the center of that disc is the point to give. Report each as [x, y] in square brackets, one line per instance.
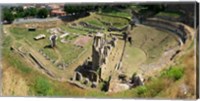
[59, 56]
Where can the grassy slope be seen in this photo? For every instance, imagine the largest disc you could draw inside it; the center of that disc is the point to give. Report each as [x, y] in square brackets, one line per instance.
[93, 20]
[153, 41]
[189, 78]
[36, 83]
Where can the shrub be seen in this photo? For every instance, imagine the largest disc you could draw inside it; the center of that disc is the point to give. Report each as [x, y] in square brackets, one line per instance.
[42, 87]
[174, 73]
[141, 90]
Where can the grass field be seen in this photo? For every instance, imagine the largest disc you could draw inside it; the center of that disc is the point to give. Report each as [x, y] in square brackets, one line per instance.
[117, 22]
[120, 13]
[94, 20]
[133, 57]
[152, 41]
[67, 51]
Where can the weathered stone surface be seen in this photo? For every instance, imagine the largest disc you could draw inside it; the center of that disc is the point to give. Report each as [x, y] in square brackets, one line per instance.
[138, 80]
[117, 87]
[86, 81]
[78, 76]
[101, 51]
[94, 76]
[53, 40]
[94, 84]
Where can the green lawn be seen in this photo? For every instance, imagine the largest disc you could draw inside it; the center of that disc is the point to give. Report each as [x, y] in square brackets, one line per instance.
[24, 36]
[117, 22]
[93, 20]
[170, 14]
[68, 51]
[125, 13]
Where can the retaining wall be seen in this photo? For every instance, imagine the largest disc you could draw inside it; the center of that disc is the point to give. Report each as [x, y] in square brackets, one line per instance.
[179, 29]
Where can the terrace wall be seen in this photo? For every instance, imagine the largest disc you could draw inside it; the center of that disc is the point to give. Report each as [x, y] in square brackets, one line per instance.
[179, 29]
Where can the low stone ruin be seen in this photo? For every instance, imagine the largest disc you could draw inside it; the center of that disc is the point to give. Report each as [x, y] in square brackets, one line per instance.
[41, 65]
[62, 66]
[86, 81]
[54, 31]
[100, 52]
[121, 83]
[94, 71]
[78, 76]
[32, 28]
[137, 80]
[85, 24]
[40, 36]
[47, 57]
[53, 39]
[64, 35]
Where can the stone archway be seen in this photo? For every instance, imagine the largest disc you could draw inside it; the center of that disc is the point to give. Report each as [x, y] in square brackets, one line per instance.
[94, 77]
[77, 76]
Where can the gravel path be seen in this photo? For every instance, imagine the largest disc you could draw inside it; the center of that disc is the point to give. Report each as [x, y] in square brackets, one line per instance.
[22, 20]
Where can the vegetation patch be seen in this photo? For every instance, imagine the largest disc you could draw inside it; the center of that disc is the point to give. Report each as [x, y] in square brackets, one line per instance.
[71, 37]
[116, 12]
[175, 15]
[71, 30]
[42, 87]
[16, 62]
[174, 73]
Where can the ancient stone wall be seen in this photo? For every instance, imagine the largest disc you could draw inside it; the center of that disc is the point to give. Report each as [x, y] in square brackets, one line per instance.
[178, 29]
[101, 50]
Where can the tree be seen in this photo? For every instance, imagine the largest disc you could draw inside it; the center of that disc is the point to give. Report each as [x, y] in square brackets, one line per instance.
[30, 12]
[7, 15]
[42, 13]
[68, 8]
[71, 8]
[19, 9]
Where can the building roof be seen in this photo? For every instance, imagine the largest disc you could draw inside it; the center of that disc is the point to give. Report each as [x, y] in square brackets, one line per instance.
[54, 6]
[58, 12]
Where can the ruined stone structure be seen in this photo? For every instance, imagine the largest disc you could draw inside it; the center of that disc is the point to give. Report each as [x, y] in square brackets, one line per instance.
[100, 52]
[53, 40]
[105, 65]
